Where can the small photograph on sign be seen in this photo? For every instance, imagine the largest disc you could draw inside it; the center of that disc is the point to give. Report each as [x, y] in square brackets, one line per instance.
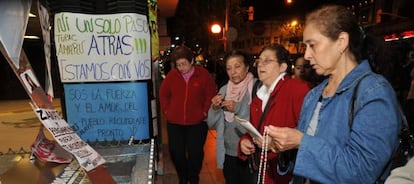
[29, 80]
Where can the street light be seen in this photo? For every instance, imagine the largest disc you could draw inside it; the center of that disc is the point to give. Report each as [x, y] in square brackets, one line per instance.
[215, 28]
[293, 23]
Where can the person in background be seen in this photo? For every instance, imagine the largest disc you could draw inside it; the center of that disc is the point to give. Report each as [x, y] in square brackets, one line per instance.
[233, 98]
[185, 96]
[301, 67]
[302, 70]
[341, 139]
[283, 97]
[402, 175]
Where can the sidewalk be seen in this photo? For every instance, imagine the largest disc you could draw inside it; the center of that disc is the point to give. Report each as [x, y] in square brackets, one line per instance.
[19, 126]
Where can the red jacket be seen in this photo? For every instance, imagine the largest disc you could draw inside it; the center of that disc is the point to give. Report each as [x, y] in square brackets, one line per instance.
[187, 103]
[284, 111]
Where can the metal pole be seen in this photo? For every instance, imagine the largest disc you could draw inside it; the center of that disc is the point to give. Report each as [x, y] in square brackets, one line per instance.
[226, 25]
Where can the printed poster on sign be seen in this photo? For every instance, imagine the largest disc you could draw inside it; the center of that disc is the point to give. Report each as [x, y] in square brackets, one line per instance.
[87, 157]
[29, 80]
[102, 48]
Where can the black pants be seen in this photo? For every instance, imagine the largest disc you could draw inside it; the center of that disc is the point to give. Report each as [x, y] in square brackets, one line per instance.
[236, 171]
[186, 145]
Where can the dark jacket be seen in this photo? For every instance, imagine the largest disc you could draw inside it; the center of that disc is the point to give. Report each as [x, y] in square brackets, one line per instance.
[187, 103]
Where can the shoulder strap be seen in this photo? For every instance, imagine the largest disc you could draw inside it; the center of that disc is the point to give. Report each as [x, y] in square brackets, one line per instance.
[353, 99]
[256, 86]
[405, 125]
[352, 108]
[264, 112]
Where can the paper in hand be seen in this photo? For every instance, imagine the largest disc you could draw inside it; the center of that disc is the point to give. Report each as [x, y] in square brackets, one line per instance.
[249, 127]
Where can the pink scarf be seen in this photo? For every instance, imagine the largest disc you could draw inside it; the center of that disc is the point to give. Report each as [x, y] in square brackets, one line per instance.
[188, 74]
[236, 92]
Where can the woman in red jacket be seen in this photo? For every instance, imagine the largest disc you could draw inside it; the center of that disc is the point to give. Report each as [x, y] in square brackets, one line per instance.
[185, 97]
[283, 96]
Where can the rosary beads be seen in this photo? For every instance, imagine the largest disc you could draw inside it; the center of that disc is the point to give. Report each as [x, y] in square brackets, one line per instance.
[263, 158]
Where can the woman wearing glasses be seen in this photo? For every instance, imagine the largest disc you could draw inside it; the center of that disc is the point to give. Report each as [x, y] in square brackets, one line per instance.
[278, 102]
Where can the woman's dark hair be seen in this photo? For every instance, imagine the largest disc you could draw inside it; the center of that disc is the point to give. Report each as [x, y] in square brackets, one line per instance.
[334, 19]
[237, 53]
[282, 55]
[297, 57]
[182, 52]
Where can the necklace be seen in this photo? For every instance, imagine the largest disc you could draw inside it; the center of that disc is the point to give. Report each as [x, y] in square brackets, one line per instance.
[263, 158]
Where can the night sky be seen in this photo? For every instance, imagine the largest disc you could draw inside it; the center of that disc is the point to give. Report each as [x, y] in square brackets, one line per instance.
[265, 9]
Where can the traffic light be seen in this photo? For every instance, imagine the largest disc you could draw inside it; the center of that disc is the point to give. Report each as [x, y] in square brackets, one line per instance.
[250, 13]
[378, 16]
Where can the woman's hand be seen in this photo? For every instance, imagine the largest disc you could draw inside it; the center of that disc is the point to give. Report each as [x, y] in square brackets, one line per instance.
[229, 105]
[216, 101]
[247, 147]
[270, 145]
[284, 138]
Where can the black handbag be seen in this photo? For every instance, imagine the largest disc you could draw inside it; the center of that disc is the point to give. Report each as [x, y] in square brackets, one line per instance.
[286, 161]
[254, 161]
[405, 150]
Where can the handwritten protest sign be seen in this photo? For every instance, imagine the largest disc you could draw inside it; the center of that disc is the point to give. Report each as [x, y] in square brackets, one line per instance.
[101, 48]
[115, 111]
[103, 62]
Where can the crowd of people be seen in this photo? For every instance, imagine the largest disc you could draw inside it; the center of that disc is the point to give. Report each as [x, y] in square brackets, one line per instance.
[335, 118]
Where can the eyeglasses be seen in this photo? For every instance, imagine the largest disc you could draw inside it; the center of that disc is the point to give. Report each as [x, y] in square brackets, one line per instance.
[264, 61]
